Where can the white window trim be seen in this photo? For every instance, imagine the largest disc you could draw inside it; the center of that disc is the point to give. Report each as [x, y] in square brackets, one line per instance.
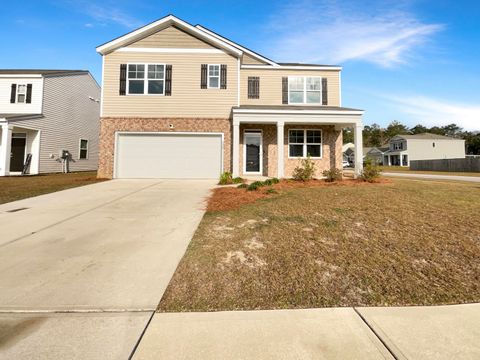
[208, 76]
[145, 79]
[305, 144]
[80, 148]
[18, 93]
[258, 132]
[305, 90]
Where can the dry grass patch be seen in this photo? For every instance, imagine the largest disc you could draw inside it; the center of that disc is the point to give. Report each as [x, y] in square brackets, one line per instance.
[405, 169]
[404, 243]
[20, 187]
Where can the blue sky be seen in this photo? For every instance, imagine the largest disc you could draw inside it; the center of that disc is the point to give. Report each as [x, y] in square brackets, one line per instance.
[413, 61]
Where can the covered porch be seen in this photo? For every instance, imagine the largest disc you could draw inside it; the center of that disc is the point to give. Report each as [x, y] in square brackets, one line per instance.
[396, 158]
[19, 149]
[272, 140]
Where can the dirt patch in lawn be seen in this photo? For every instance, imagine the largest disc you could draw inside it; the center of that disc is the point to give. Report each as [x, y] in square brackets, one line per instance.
[403, 243]
[230, 198]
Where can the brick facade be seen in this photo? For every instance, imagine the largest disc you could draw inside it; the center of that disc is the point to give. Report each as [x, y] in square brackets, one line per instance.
[110, 125]
[332, 141]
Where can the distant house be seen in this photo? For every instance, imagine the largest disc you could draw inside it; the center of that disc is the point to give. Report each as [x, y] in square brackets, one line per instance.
[49, 121]
[376, 154]
[426, 146]
[348, 151]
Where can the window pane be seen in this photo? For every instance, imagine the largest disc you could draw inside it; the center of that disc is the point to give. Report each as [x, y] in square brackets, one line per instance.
[135, 86]
[213, 70]
[21, 98]
[155, 87]
[136, 71]
[313, 97]
[83, 144]
[313, 83]
[295, 150]
[296, 97]
[296, 136]
[155, 71]
[295, 83]
[314, 136]
[21, 89]
[313, 150]
[83, 154]
[214, 82]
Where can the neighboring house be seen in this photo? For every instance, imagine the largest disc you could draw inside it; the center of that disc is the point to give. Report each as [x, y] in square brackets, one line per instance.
[376, 154]
[43, 115]
[181, 101]
[348, 151]
[405, 148]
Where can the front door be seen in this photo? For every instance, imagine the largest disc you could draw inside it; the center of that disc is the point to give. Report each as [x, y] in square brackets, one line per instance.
[253, 152]
[18, 154]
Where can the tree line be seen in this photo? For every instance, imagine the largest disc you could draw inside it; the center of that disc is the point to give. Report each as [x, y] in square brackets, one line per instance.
[376, 136]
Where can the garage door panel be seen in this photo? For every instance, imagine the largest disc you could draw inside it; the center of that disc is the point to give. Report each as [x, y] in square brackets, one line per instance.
[168, 156]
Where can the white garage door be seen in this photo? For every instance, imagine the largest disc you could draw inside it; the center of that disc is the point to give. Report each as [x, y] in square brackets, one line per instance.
[172, 155]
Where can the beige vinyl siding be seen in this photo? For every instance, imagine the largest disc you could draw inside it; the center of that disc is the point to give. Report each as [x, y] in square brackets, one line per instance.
[423, 149]
[247, 59]
[187, 99]
[68, 116]
[171, 37]
[271, 85]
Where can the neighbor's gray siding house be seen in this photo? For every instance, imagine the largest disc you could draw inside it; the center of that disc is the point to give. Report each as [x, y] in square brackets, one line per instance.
[405, 148]
[43, 112]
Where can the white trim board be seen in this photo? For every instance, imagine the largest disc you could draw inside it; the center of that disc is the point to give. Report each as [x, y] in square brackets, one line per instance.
[292, 67]
[170, 50]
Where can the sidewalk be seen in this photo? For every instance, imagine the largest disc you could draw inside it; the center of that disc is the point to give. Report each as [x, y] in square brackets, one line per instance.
[440, 332]
[433, 177]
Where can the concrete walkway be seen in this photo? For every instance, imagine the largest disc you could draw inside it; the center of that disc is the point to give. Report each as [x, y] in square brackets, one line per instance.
[433, 176]
[82, 270]
[442, 332]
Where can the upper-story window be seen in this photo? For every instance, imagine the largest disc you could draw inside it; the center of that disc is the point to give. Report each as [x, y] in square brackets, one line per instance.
[21, 93]
[146, 79]
[304, 90]
[213, 76]
[398, 146]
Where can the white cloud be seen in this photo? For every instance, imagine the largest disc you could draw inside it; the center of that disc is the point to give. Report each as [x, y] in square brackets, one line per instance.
[107, 13]
[430, 111]
[335, 32]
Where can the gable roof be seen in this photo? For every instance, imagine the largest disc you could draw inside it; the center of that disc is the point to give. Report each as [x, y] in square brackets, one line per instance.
[425, 136]
[161, 24]
[43, 72]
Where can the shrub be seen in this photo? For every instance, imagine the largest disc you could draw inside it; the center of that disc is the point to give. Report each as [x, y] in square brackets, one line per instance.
[237, 180]
[370, 172]
[242, 186]
[271, 181]
[305, 171]
[275, 180]
[332, 175]
[271, 191]
[255, 185]
[225, 178]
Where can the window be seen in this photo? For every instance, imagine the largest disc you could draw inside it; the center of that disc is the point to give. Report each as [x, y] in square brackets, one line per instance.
[146, 79]
[433, 144]
[21, 93]
[302, 143]
[214, 76]
[398, 146]
[83, 153]
[304, 90]
[254, 87]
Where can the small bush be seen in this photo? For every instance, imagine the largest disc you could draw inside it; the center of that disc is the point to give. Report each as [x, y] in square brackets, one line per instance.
[305, 171]
[237, 180]
[275, 180]
[271, 181]
[242, 186]
[271, 191]
[332, 175]
[370, 172]
[225, 178]
[255, 185]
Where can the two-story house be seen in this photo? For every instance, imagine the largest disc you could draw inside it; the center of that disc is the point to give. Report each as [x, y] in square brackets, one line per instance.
[181, 101]
[426, 146]
[49, 121]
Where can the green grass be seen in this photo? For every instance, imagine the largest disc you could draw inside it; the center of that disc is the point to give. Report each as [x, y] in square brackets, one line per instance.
[20, 187]
[405, 243]
[404, 169]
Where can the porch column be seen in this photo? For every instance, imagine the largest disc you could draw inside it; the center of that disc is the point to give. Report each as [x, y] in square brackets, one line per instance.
[235, 149]
[358, 138]
[280, 150]
[5, 149]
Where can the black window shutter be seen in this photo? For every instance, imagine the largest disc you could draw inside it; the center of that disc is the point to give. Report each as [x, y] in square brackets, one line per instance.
[223, 76]
[29, 94]
[13, 93]
[253, 87]
[168, 80]
[324, 91]
[203, 76]
[123, 79]
[284, 90]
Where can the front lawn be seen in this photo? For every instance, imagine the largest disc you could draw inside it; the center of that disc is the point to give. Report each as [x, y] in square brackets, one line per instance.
[20, 187]
[405, 169]
[400, 243]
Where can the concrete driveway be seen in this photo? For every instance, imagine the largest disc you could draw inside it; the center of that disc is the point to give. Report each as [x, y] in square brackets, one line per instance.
[109, 248]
